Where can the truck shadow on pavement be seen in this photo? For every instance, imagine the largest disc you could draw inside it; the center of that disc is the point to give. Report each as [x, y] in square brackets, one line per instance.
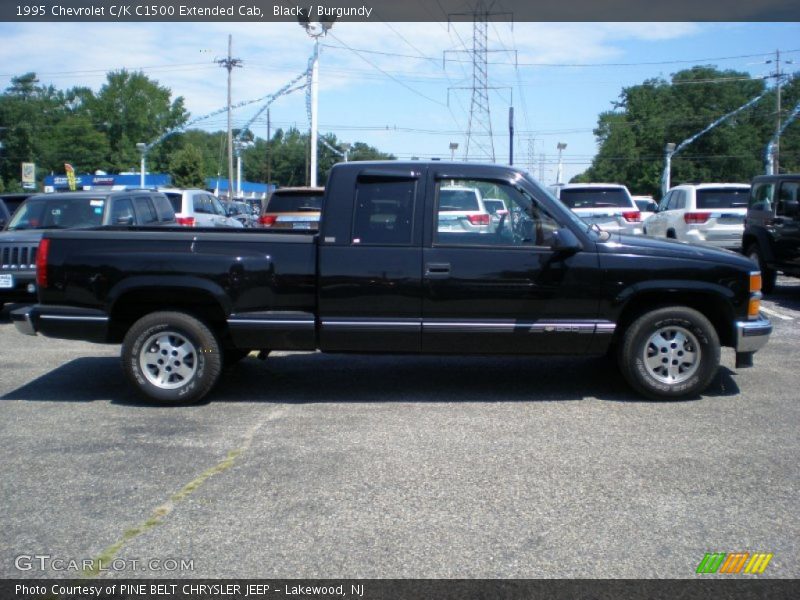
[321, 378]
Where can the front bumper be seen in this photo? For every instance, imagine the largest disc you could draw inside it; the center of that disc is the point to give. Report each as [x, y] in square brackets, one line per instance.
[65, 322]
[751, 336]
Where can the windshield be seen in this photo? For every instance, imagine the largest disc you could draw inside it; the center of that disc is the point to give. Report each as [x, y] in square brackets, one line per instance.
[595, 197]
[59, 212]
[295, 203]
[711, 199]
[450, 199]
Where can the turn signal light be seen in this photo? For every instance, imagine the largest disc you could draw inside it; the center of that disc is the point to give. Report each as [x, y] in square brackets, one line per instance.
[755, 282]
[753, 307]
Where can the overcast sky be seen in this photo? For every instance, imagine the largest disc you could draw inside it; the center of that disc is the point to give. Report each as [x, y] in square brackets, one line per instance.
[385, 83]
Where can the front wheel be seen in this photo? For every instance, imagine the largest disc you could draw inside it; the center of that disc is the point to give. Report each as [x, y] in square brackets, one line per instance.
[670, 353]
[171, 357]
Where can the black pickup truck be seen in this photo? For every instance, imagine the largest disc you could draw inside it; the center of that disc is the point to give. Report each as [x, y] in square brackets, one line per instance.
[405, 261]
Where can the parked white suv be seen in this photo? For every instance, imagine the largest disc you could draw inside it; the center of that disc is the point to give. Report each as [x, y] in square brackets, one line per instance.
[462, 209]
[607, 205]
[704, 213]
[199, 208]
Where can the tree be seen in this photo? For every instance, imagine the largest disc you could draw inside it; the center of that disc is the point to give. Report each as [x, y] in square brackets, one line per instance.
[186, 168]
[633, 135]
[131, 108]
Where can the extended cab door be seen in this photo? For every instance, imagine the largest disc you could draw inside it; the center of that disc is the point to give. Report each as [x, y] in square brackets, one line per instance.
[370, 261]
[504, 289]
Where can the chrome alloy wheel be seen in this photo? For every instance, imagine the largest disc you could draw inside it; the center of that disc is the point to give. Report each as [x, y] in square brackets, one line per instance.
[672, 354]
[168, 360]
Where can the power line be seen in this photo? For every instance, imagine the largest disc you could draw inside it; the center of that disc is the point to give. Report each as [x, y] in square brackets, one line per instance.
[408, 87]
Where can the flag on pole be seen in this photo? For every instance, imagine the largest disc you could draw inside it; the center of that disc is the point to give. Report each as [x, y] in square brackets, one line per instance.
[70, 176]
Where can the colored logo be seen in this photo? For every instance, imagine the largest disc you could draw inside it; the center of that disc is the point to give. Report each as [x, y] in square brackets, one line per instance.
[733, 563]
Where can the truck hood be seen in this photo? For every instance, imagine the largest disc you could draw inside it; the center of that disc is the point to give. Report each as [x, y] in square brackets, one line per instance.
[647, 246]
[30, 236]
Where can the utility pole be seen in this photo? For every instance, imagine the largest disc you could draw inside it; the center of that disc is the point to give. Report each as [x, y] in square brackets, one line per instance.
[511, 135]
[269, 154]
[778, 83]
[229, 63]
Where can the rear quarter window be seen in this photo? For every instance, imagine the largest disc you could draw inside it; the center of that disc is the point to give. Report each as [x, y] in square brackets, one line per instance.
[710, 199]
[458, 200]
[164, 209]
[596, 198]
[294, 203]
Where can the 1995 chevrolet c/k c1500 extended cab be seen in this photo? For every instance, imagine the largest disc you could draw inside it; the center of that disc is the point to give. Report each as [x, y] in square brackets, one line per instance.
[406, 261]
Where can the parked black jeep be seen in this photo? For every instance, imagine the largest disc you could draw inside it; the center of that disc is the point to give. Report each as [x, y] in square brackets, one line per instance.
[68, 210]
[772, 227]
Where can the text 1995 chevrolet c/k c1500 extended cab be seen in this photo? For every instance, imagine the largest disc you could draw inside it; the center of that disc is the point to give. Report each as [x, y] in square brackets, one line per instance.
[405, 261]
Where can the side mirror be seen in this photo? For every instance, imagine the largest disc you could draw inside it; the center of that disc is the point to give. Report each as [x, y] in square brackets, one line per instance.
[125, 220]
[566, 242]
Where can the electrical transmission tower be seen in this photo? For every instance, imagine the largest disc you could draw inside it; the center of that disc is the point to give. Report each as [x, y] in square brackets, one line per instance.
[480, 141]
[479, 130]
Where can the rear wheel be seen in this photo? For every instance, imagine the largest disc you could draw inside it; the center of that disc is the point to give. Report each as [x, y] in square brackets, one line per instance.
[171, 357]
[768, 276]
[670, 353]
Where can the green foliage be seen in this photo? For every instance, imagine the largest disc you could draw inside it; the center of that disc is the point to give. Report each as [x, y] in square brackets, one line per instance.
[632, 137]
[186, 168]
[100, 130]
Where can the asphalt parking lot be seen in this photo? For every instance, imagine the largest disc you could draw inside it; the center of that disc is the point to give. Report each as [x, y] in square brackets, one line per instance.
[313, 466]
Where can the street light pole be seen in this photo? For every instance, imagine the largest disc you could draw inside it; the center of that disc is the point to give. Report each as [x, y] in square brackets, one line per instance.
[142, 148]
[316, 30]
[453, 148]
[559, 172]
[669, 150]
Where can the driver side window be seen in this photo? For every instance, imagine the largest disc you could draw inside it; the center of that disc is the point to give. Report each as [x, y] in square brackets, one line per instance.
[472, 212]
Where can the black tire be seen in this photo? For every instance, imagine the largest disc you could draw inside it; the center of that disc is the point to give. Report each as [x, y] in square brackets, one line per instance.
[688, 347]
[768, 276]
[190, 352]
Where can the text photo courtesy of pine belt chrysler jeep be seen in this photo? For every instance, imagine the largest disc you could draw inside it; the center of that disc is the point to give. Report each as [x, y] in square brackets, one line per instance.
[383, 276]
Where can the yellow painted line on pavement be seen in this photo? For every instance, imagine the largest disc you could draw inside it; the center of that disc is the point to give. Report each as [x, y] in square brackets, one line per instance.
[160, 512]
[776, 314]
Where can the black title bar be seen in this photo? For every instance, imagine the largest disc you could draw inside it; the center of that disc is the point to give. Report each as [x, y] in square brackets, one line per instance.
[396, 11]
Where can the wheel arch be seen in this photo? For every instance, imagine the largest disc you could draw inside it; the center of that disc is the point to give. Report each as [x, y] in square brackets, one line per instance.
[203, 300]
[713, 306]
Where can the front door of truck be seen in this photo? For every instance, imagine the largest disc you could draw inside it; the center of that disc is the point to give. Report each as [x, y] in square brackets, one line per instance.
[503, 289]
[370, 265]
